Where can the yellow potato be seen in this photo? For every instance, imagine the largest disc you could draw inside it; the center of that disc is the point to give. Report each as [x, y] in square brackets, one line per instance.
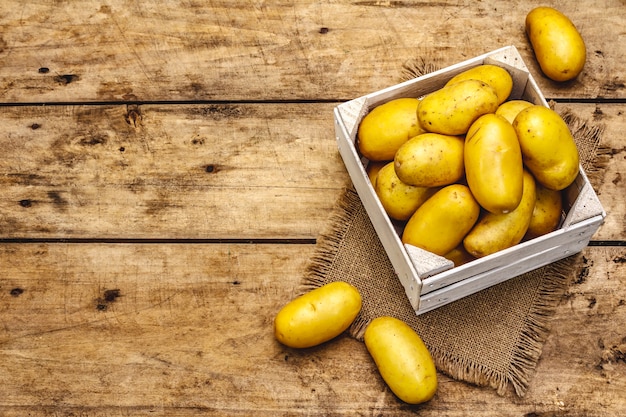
[452, 109]
[497, 77]
[547, 213]
[440, 224]
[373, 167]
[493, 164]
[386, 127]
[559, 47]
[399, 200]
[318, 315]
[510, 109]
[548, 147]
[495, 232]
[402, 359]
[459, 255]
[430, 160]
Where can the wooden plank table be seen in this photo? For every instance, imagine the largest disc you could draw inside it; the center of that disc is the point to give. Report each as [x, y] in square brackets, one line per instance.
[166, 169]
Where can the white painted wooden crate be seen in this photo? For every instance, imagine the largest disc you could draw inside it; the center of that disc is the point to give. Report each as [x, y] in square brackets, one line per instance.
[431, 281]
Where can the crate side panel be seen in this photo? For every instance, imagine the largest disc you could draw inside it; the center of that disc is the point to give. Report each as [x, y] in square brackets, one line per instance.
[529, 250]
[389, 239]
[492, 277]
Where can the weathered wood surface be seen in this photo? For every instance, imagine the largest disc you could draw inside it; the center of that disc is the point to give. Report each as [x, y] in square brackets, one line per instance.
[161, 206]
[177, 330]
[178, 171]
[72, 51]
[173, 171]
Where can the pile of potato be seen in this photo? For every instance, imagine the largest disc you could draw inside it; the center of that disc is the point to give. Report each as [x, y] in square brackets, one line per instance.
[465, 171]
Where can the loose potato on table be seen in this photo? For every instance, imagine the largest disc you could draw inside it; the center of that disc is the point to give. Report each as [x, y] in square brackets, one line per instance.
[559, 47]
[402, 359]
[318, 315]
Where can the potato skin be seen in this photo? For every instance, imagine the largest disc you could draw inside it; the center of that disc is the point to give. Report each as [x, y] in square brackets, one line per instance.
[547, 213]
[440, 224]
[318, 315]
[386, 127]
[399, 200]
[453, 108]
[495, 232]
[402, 359]
[493, 164]
[548, 147]
[430, 160]
[559, 47]
[497, 77]
[510, 109]
[459, 256]
[373, 168]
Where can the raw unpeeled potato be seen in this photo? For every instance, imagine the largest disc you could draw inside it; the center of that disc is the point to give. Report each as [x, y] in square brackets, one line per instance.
[399, 200]
[440, 224]
[510, 109]
[493, 164]
[452, 109]
[430, 160]
[402, 358]
[497, 77]
[548, 147]
[318, 315]
[496, 232]
[547, 213]
[559, 47]
[384, 129]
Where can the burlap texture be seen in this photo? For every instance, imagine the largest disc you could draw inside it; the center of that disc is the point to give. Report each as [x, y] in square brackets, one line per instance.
[491, 338]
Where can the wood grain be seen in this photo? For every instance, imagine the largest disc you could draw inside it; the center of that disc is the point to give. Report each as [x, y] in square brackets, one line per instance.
[131, 329]
[196, 172]
[166, 167]
[177, 171]
[286, 50]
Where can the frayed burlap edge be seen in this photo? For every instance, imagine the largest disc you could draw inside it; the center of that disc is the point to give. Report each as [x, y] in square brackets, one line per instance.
[537, 328]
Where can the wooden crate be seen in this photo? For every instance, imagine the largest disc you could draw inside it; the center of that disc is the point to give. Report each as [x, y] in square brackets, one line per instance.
[431, 281]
